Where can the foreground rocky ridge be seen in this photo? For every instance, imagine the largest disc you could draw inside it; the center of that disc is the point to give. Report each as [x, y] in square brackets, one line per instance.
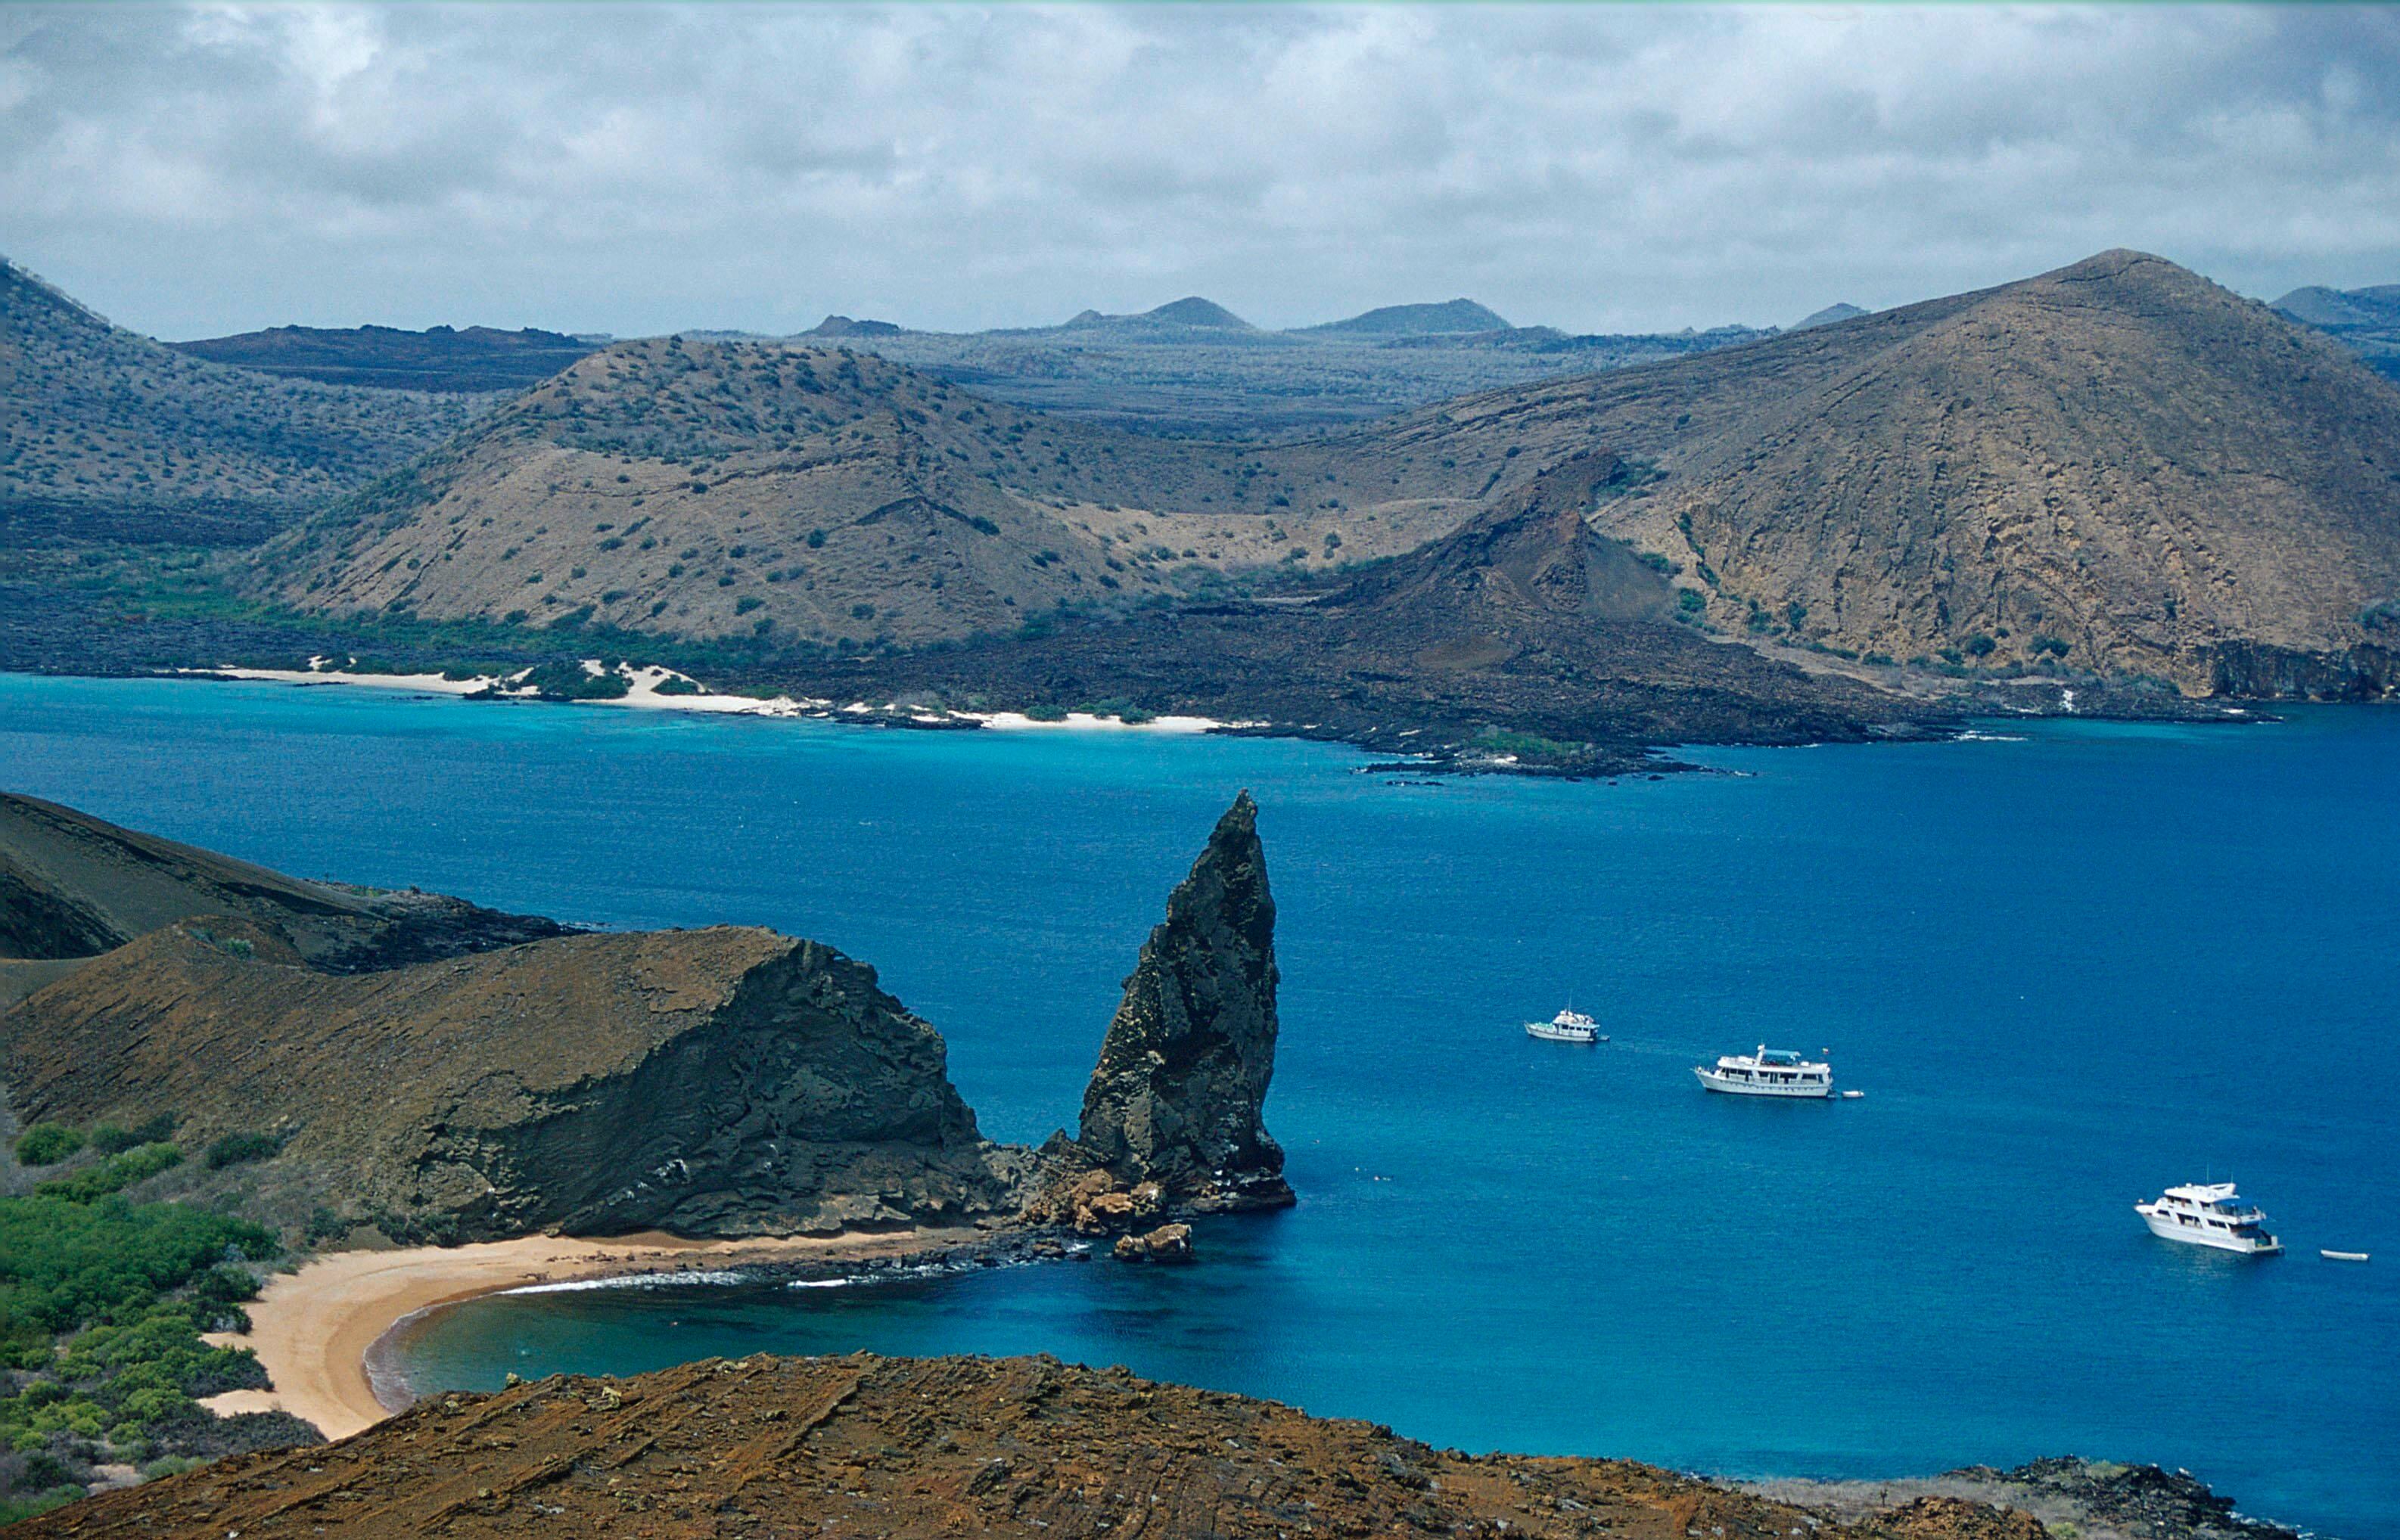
[901, 1447]
[727, 1081]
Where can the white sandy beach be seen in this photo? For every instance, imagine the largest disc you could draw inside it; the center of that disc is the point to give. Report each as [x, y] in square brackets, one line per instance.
[313, 1329]
[644, 694]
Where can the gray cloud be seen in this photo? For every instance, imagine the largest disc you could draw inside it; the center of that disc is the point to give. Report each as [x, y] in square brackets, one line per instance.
[199, 170]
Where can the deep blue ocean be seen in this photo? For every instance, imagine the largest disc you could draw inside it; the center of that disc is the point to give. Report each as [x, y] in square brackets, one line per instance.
[2069, 965]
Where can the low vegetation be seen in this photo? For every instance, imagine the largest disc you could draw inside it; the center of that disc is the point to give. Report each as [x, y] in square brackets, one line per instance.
[103, 1301]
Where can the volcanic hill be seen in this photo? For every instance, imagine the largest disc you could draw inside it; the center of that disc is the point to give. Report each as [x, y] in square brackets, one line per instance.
[2364, 321]
[2118, 465]
[111, 436]
[1446, 317]
[73, 887]
[716, 489]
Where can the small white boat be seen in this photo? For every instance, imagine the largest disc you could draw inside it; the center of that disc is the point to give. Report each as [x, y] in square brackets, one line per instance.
[1853, 1096]
[2212, 1215]
[2342, 1256]
[1768, 1072]
[1568, 1026]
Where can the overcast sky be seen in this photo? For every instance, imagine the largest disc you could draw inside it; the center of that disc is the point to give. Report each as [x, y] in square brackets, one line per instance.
[196, 171]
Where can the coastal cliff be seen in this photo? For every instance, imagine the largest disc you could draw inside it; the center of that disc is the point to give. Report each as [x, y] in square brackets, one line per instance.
[1177, 1094]
[724, 1082]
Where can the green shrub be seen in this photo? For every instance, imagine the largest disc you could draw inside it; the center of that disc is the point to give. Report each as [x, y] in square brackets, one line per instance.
[109, 1139]
[47, 1143]
[65, 1264]
[113, 1175]
[14, 1508]
[1508, 740]
[1046, 714]
[564, 679]
[236, 1148]
[226, 1284]
[676, 687]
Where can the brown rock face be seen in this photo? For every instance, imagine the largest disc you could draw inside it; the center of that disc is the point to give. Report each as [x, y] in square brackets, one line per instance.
[903, 1449]
[1183, 1071]
[723, 1082]
[1956, 1518]
[1168, 1243]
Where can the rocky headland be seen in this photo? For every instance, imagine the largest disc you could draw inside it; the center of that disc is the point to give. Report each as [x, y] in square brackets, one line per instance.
[713, 1084]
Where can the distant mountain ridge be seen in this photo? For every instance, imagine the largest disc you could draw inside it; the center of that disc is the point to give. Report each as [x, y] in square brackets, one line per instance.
[437, 358]
[1189, 313]
[2331, 307]
[2364, 321]
[1455, 315]
[1836, 312]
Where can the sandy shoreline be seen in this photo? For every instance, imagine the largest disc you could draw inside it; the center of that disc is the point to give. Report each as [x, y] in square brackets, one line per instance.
[313, 1329]
[643, 693]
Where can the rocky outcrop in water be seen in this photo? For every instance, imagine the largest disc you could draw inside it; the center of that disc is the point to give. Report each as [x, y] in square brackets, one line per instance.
[1183, 1071]
[724, 1082]
[1168, 1243]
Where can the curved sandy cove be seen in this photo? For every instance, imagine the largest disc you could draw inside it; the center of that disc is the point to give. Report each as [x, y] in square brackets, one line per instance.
[314, 1329]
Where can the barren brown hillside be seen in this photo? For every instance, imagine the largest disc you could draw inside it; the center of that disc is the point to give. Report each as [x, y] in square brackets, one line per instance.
[720, 1081]
[903, 1447]
[2118, 465]
[716, 488]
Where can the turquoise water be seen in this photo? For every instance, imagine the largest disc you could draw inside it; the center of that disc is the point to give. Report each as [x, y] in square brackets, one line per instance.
[2067, 968]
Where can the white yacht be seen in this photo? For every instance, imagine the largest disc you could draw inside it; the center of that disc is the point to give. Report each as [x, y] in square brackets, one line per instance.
[1568, 1026]
[1768, 1072]
[2212, 1215]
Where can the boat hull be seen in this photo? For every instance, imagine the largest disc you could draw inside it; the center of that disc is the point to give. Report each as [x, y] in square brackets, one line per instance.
[1549, 1033]
[2165, 1227]
[1724, 1085]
